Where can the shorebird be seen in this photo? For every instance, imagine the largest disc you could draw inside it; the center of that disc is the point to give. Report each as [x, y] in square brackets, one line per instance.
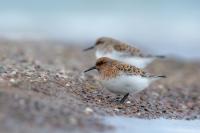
[115, 49]
[122, 79]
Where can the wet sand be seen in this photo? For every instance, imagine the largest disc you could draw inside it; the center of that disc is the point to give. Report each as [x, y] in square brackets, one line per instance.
[43, 89]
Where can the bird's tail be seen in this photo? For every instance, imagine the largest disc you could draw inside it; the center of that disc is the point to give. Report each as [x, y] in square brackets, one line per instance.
[157, 76]
[161, 76]
[154, 76]
[153, 56]
[160, 56]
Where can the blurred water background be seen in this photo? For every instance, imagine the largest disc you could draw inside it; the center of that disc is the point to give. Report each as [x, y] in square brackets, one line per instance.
[160, 26]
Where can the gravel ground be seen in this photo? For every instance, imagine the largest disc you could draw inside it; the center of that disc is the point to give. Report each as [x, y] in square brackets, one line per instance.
[43, 89]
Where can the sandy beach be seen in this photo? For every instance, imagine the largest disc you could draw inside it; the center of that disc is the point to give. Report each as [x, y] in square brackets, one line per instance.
[43, 89]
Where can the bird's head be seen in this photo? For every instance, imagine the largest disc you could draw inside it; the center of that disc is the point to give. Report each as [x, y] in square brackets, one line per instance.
[102, 42]
[101, 64]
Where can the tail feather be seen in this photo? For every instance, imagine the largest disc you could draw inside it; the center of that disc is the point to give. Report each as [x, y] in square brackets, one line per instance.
[153, 56]
[160, 56]
[153, 76]
[162, 76]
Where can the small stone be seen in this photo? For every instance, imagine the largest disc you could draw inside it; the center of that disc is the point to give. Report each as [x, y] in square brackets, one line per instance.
[88, 111]
[128, 102]
[183, 106]
[155, 94]
[45, 79]
[116, 109]
[13, 73]
[1, 79]
[160, 86]
[67, 84]
[12, 80]
[138, 114]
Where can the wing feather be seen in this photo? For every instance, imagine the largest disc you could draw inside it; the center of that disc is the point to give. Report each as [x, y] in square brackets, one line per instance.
[132, 70]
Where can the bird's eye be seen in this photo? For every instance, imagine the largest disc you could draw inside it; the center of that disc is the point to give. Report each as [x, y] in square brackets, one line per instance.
[100, 63]
[99, 42]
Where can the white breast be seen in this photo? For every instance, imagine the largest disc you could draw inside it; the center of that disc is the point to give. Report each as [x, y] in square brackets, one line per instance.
[136, 61]
[126, 84]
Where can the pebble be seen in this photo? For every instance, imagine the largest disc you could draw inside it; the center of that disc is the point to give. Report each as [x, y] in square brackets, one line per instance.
[116, 109]
[183, 106]
[1, 79]
[88, 110]
[13, 73]
[155, 94]
[12, 80]
[138, 114]
[128, 102]
[161, 86]
[67, 84]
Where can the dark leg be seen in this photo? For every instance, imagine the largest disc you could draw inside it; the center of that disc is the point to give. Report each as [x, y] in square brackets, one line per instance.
[124, 98]
[117, 99]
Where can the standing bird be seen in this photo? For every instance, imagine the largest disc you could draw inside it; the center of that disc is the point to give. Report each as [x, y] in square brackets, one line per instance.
[121, 78]
[115, 49]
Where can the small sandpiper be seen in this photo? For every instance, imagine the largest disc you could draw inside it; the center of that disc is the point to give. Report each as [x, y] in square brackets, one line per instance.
[121, 78]
[115, 49]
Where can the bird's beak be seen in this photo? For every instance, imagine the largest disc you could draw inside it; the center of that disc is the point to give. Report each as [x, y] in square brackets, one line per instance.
[92, 47]
[92, 68]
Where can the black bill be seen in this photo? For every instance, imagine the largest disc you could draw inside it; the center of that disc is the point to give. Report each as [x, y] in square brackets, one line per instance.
[92, 68]
[92, 47]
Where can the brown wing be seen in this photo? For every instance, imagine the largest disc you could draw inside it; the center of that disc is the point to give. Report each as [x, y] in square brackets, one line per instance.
[132, 70]
[130, 50]
[126, 49]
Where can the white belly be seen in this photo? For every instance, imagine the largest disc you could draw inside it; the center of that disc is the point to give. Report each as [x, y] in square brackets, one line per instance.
[126, 84]
[135, 61]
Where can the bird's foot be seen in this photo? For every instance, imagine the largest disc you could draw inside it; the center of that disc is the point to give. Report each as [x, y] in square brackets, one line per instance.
[116, 100]
[124, 98]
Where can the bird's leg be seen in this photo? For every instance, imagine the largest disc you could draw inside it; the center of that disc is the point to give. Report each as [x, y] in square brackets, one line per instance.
[124, 98]
[116, 99]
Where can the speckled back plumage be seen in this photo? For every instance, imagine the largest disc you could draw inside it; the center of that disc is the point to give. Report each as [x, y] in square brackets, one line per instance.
[110, 68]
[129, 69]
[122, 47]
[110, 44]
[107, 44]
[132, 70]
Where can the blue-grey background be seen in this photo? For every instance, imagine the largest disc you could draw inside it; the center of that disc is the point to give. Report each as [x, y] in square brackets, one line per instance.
[160, 26]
